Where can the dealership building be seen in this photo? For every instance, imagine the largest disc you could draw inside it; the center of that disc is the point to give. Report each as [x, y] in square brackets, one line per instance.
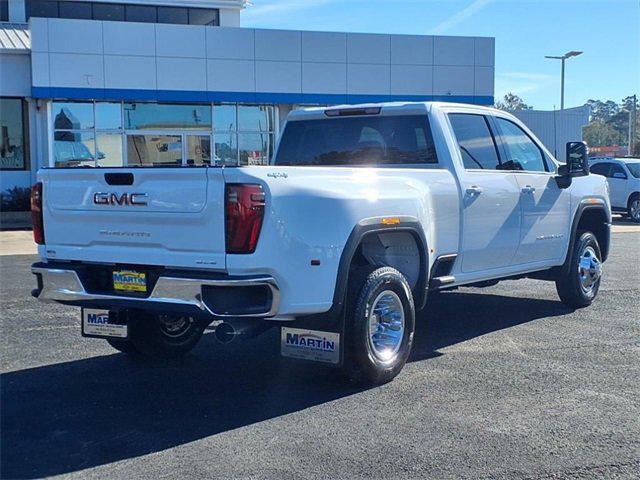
[155, 83]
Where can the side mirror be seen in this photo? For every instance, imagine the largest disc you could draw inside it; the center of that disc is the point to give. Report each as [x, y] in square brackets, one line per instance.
[577, 159]
[619, 175]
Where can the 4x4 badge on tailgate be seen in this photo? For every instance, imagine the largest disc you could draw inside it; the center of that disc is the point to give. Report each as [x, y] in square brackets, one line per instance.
[277, 175]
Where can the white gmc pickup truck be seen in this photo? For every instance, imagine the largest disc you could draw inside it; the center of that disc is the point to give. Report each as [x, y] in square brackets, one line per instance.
[364, 211]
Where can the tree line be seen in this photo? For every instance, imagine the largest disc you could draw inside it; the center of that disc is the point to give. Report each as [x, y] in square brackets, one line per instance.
[608, 124]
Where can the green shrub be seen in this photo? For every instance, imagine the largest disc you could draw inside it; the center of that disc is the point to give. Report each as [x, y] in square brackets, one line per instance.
[16, 199]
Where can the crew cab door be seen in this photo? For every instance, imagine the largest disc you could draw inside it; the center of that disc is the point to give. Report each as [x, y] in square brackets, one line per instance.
[490, 197]
[545, 206]
[618, 185]
[617, 179]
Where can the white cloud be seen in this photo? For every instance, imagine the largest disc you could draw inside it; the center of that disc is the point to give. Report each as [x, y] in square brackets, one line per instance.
[528, 76]
[463, 15]
[253, 14]
[521, 83]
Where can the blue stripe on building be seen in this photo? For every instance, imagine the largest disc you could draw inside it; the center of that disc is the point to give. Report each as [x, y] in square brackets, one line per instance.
[240, 97]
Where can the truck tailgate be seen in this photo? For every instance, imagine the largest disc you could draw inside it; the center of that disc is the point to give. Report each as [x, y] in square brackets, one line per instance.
[144, 216]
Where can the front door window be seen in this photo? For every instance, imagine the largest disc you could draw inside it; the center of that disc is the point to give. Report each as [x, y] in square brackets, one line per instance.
[522, 154]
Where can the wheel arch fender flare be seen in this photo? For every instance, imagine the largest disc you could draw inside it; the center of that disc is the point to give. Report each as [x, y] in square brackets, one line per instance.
[589, 208]
[375, 225]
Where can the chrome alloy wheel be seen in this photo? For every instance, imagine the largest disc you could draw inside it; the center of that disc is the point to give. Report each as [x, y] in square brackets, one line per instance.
[386, 325]
[589, 269]
[634, 209]
[174, 326]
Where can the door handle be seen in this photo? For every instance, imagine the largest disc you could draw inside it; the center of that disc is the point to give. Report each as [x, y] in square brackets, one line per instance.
[474, 190]
[528, 189]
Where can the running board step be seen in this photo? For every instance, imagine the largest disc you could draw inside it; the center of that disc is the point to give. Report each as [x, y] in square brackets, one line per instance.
[438, 282]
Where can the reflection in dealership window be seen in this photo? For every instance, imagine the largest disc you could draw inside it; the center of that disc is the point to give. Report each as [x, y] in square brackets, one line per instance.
[256, 118]
[198, 150]
[108, 116]
[224, 117]
[156, 116]
[109, 149]
[76, 140]
[255, 148]
[12, 134]
[154, 150]
[74, 149]
[72, 116]
[136, 133]
[244, 134]
[226, 148]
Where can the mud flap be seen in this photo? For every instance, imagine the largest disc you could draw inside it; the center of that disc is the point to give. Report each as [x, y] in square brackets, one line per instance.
[316, 338]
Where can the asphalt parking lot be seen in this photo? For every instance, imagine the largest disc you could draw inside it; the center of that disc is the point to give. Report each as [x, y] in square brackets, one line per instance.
[504, 382]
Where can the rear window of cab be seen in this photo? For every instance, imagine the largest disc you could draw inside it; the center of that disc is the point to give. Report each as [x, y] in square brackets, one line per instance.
[357, 141]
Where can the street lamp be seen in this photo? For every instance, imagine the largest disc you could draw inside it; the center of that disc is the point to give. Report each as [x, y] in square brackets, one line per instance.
[573, 53]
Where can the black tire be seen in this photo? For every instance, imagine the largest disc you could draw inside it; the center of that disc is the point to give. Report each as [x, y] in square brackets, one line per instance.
[570, 286]
[123, 345]
[633, 207]
[150, 335]
[363, 363]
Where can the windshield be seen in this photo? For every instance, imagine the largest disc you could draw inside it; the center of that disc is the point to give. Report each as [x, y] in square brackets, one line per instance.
[364, 140]
[634, 168]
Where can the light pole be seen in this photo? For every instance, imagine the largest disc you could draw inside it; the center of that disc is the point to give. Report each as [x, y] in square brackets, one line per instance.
[563, 58]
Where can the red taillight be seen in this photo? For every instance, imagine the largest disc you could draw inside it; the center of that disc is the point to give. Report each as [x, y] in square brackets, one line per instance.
[36, 213]
[244, 212]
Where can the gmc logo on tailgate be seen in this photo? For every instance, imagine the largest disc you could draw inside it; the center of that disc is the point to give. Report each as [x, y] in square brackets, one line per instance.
[122, 199]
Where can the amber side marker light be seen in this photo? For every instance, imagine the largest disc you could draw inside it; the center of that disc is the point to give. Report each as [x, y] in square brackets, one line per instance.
[390, 221]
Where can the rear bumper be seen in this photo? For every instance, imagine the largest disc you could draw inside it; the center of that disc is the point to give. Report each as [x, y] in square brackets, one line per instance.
[219, 297]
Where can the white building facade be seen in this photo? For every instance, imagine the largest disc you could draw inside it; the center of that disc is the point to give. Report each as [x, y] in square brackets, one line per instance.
[181, 83]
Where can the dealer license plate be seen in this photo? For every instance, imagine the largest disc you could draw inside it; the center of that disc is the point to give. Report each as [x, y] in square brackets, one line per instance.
[98, 323]
[129, 281]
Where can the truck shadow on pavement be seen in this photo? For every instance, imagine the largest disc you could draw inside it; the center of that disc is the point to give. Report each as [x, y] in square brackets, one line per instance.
[76, 415]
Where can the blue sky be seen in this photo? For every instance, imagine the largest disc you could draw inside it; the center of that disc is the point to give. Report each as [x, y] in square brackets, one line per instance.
[525, 31]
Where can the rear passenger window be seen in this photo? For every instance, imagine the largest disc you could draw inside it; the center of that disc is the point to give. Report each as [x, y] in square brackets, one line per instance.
[476, 143]
[617, 171]
[522, 153]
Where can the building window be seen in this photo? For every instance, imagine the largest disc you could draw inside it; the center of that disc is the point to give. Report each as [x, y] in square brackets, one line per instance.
[4, 10]
[154, 150]
[13, 145]
[87, 134]
[79, 10]
[175, 15]
[244, 134]
[108, 11]
[105, 134]
[42, 8]
[117, 12]
[157, 116]
[204, 16]
[141, 13]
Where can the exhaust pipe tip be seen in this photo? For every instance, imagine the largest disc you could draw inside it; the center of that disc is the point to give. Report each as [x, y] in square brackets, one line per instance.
[225, 333]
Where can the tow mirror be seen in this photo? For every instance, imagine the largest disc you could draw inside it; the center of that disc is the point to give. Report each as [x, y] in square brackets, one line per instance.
[577, 164]
[577, 159]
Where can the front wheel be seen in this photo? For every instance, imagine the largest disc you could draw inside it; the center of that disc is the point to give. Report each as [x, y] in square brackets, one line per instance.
[579, 284]
[633, 209]
[379, 325]
[165, 336]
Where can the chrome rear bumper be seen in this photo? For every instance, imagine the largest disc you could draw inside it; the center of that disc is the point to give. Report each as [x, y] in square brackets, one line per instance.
[59, 285]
